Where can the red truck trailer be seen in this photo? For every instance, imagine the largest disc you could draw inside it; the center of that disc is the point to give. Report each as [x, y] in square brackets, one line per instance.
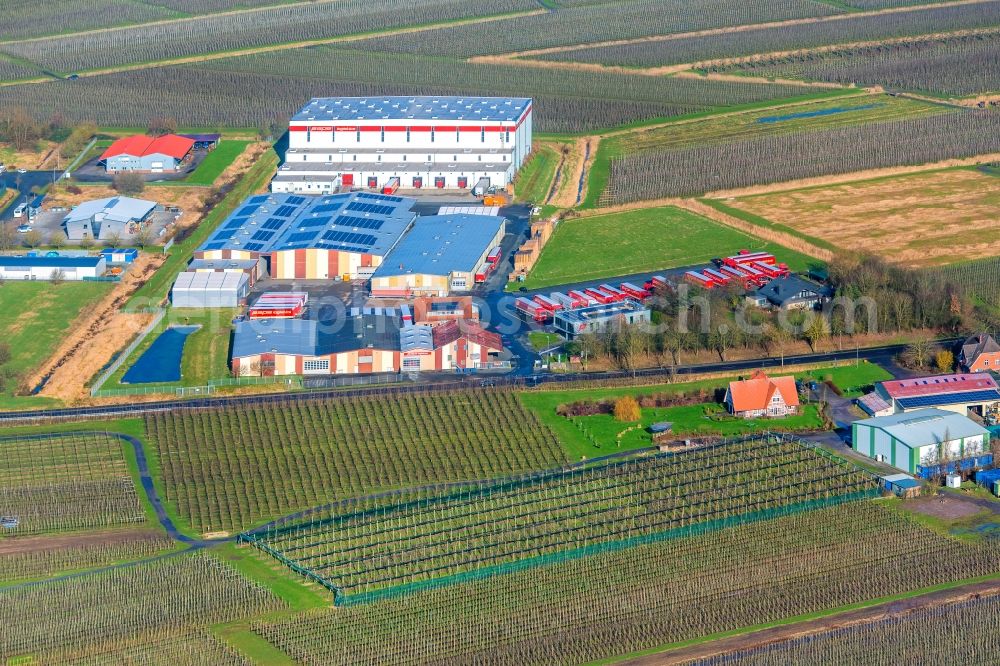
[531, 310]
[746, 257]
[483, 272]
[617, 294]
[563, 300]
[656, 282]
[599, 296]
[548, 303]
[391, 186]
[720, 279]
[634, 291]
[579, 300]
[739, 276]
[494, 256]
[699, 279]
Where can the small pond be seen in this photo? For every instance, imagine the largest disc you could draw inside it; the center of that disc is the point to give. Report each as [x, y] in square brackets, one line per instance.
[162, 361]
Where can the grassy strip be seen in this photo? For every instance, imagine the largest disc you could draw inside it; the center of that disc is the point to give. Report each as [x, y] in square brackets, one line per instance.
[535, 179]
[214, 164]
[817, 615]
[154, 292]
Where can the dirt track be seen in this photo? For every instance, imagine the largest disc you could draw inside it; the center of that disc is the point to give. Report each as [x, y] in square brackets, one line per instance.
[16, 545]
[811, 627]
[849, 177]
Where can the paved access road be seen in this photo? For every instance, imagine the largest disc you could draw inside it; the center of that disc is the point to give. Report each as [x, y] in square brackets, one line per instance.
[446, 381]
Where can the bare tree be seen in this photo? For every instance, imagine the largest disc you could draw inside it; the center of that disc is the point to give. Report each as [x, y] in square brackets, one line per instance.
[57, 276]
[129, 183]
[32, 238]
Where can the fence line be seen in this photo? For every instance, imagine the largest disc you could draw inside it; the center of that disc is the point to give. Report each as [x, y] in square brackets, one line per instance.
[95, 390]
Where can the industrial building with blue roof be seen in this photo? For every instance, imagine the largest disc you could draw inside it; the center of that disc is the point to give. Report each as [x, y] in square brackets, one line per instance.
[308, 237]
[406, 143]
[441, 254]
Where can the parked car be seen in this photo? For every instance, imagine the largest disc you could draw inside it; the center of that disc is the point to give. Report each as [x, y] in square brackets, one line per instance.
[19, 211]
[3, 168]
[22, 170]
[23, 229]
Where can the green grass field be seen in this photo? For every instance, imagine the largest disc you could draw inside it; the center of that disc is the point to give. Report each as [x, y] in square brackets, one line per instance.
[36, 316]
[638, 241]
[541, 340]
[535, 179]
[851, 379]
[216, 162]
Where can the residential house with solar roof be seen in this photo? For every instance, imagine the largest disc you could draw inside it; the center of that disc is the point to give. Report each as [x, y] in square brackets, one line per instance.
[924, 442]
[368, 340]
[958, 393]
[313, 238]
[438, 256]
[437, 142]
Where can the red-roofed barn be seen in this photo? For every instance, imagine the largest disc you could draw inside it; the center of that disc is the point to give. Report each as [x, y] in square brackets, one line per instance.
[763, 396]
[147, 154]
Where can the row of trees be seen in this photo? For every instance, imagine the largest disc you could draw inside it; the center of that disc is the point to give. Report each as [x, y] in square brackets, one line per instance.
[870, 297]
[11, 239]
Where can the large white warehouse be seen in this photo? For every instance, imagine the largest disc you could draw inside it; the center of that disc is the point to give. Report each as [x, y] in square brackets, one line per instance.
[405, 142]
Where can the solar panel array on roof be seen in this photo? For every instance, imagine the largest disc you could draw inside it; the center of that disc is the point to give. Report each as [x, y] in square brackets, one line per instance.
[283, 221]
[969, 397]
[369, 208]
[359, 222]
[326, 208]
[508, 109]
[260, 198]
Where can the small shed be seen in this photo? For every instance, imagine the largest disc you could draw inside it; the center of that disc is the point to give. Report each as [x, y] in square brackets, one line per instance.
[903, 485]
[209, 290]
[115, 255]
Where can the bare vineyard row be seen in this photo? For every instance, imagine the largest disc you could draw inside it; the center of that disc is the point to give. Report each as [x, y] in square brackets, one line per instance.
[170, 594]
[232, 93]
[958, 66]
[275, 25]
[50, 561]
[787, 38]
[958, 634]
[779, 158]
[406, 541]
[66, 482]
[611, 604]
[596, 23]
[228, 469]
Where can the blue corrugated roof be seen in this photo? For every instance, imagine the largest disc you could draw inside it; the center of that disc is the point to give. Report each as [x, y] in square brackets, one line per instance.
[51, 262]
[442, 244]
[358, 222]
[309, 337]
[967, 397]
[428, 107]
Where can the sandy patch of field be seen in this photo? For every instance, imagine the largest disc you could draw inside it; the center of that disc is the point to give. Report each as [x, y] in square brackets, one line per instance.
[919, 220]
[572, 169]
[33, 544]
[96, 336]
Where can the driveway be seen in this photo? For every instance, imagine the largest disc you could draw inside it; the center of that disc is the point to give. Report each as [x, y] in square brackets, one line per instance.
[23, 182]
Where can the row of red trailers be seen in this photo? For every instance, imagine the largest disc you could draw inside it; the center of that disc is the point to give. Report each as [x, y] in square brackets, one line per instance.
[541, 308]
[748, 269]
[279, 305]
[492, 261]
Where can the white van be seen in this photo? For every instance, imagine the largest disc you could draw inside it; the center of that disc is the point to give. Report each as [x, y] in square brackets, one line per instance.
[19, 211]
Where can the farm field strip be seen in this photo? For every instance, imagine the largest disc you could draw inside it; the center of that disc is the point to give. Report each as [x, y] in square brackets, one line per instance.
[187, 646]
[385, 548]
[965, 65]
[45, 560]
[960, 633]
[172, 594]
[257, 464]
[270, 25]
[249, 91]
[780, 158]
[620, 602]
[670, 52]
[919, 219]
[63, 482]
[580, 25]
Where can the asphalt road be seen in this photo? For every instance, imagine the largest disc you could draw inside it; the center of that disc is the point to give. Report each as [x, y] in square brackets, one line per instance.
[23, 182]
[445, 381]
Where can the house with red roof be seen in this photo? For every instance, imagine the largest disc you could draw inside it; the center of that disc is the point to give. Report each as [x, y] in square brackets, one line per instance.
[980, 353]
[763, 396]
[148, 154]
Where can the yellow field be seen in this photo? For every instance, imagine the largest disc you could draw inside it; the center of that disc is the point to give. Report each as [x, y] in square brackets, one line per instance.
[922, 219]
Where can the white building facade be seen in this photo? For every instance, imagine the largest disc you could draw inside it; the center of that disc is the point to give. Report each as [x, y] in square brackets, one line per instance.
[409, 143]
